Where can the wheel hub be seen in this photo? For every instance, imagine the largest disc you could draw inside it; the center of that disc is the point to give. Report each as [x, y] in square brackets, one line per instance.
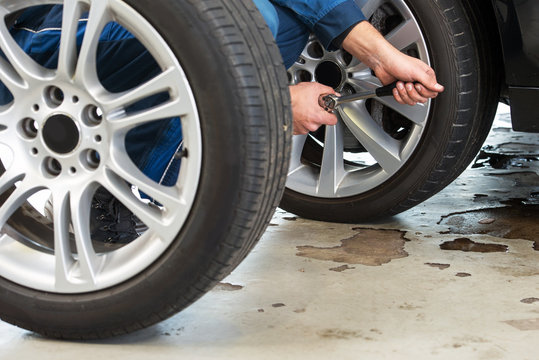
[61, 134]
[330, 74]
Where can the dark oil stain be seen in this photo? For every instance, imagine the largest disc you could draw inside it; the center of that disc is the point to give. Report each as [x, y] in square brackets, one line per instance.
[342, 268]
[407, 306]
[439, 266]
[479, 196]
[465, 244]
[260, 310]
[491, 157]
[369, 247]
[290, 218]
[486, 221]
[517, 219]
[272, 224]
[228, 287]
[525, 324]
[278, 305]
[530, 300]
[463, 274]
[340, 334]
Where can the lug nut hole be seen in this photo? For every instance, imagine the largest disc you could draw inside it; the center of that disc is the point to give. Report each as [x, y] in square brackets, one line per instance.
[91, 159]
[54, 96]
[28, 128]
[92, 115]
[52, 167]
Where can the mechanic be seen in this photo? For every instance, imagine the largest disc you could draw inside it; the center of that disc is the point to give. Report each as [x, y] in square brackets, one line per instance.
[123, 63]
[340, 24]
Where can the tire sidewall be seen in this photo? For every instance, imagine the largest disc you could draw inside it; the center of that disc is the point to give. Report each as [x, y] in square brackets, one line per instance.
[446, 114]
[181, 268]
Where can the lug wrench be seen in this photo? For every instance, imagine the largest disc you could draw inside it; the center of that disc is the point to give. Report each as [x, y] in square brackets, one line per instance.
[330, 101]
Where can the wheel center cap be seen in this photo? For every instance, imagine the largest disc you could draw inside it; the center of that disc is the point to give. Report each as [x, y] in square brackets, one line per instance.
[61, 134]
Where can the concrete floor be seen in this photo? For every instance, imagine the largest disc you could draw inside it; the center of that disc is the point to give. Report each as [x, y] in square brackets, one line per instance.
[402, 289]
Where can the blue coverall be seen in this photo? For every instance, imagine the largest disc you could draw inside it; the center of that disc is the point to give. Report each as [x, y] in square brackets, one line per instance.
[123, 63]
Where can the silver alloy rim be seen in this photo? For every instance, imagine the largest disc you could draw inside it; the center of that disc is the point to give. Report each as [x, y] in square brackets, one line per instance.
[339, 174]
[73, 175]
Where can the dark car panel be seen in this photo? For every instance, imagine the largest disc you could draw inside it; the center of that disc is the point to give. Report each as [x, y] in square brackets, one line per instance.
[518, 24]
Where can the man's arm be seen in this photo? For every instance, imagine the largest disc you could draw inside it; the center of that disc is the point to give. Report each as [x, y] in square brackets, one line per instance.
[389, 64]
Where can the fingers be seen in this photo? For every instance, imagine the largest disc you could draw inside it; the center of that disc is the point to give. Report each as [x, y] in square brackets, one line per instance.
[407, 94]
[308, 115]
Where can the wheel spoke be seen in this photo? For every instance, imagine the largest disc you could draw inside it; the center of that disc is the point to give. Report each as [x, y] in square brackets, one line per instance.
[370, 7]
[382, 147]
[9, 178]
[166, 110]
[20, 194]
[10, 78]
[163, 82]
[404, 35]
[123, 172]
[86, 71]
[332, 167]
[67, 58]
[417, 114]
[62, 251]
[21, 69]
[151, 216]
[88, 261]
[298, 142]
[368, 82]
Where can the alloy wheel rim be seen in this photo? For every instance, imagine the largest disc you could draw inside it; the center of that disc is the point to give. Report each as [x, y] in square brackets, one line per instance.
[72, 99]
[340, 173]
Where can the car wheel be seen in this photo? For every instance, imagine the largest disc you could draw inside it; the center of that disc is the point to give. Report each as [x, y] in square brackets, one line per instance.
[222, 75]
[382, 157]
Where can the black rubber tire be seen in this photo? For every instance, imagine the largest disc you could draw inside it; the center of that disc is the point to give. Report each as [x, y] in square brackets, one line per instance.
[465, 60]
[240, 85]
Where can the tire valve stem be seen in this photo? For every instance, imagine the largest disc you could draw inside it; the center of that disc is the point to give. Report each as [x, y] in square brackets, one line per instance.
[183, 153]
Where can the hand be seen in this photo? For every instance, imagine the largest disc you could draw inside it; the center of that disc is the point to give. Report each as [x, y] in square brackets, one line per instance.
[389, 64]
[306, 112]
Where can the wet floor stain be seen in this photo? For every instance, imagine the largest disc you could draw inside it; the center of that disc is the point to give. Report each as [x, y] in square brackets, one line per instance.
[342, 334]
[530, 300]
[494, 158]
[516, 219]
[525, 324]
[342, 268]
[463, 274]
[228, 287]
[369, 247]
[465, 244]
[439, 266]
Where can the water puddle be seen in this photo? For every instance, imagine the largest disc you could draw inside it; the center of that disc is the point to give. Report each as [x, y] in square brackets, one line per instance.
[530, 300]
[369, 247]
[516, 219]
[228, 287]
[439, 266]
[507, 156]
[465, 244]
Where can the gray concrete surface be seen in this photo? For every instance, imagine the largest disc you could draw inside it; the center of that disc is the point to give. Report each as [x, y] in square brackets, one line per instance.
[454, 278]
